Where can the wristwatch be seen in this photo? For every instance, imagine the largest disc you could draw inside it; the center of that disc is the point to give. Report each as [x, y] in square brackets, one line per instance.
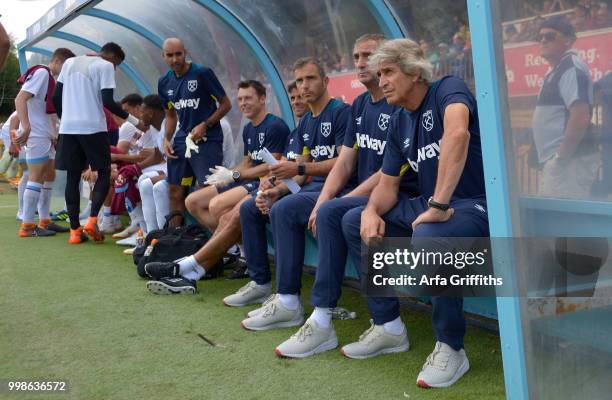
[236, 176]
[301, 169]
[434, 204]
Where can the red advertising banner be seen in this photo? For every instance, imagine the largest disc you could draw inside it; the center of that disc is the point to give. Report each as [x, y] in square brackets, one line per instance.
[525, 69]
[345, 85]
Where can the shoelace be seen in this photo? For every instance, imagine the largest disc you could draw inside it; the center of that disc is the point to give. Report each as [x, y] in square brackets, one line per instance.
[269, 310]
[438, 360]
[268, 300]
[303, 333]
[247, 287]
[366, 336]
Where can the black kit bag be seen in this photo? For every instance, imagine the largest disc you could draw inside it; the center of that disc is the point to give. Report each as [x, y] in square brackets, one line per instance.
[172, 245]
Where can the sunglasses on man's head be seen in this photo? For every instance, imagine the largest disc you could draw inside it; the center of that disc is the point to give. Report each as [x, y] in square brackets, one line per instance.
[547, 37]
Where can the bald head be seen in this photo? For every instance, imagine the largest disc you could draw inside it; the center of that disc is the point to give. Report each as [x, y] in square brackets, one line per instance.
[173, 44]
[175, 54]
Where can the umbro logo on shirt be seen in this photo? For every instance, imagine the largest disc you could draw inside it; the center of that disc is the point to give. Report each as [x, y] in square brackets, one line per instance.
[406, 143]
[170, 92]
[358, 120]
[306, 136]
[480, 208]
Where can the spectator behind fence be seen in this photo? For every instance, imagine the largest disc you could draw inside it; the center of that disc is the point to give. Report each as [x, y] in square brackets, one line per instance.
[561, 120]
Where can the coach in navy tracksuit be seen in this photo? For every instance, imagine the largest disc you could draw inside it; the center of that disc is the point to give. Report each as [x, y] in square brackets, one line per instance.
[321, 133]
[364, 146]
[451, 182]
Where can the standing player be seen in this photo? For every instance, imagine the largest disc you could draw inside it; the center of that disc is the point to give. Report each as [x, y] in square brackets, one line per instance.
[35, 110]
[364, 144]
[263, 131]
[321, 132]
[436, 134]
[85, 85]
[190, 94]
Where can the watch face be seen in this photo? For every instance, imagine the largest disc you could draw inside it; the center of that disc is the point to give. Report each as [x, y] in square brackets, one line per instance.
[236, 174]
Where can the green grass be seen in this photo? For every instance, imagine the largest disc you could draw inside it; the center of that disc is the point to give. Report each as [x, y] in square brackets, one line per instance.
[82, 314]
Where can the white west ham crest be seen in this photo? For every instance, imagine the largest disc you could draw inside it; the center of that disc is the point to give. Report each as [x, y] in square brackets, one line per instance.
[192, 85]
[262, 137]
[326, 128]
[428, 121]
[383, 121]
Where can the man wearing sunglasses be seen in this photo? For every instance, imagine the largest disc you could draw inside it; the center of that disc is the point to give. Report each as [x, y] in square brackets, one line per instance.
[566, 150]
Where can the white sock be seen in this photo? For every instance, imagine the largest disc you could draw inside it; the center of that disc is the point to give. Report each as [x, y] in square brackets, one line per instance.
[138, 218]
[145, 186]
[289, 301]
[30, 201]
[322, 316]
[190, 269]
[242, 253]
[394, 327]
[44, 203]
[107, 217]
[162, 201]
[20, 190]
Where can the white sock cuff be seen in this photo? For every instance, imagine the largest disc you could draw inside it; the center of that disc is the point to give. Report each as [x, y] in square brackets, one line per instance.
[289, 301]
[394, 327]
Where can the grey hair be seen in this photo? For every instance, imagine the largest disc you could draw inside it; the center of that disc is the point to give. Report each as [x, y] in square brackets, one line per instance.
[406, 54]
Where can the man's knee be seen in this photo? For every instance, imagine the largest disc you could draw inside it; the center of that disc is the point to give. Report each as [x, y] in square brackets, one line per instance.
[145, 186]
[217, 207]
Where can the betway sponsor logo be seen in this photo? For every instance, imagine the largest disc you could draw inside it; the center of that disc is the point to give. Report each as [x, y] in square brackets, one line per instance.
[187, 103]
[256, 155]
[425, 153]
[323, 151]
[367, 142]
[292, 155]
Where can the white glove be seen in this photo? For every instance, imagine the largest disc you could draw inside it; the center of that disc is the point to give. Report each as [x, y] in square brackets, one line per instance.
[220, 177]
[190, 144]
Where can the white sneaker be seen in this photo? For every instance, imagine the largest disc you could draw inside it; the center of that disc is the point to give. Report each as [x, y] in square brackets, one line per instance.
[251, 293]
[444, 366]
[131, 241]
[127, 232]
[309, 340]
[107, 227]
[375, 341]
[130, 251]
[274, 315]
[257, 311]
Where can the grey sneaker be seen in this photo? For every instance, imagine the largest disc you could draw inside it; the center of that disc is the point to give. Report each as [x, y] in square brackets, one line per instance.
[444, 366]
[251, 293]
[311, 339]
[376, 341]
[274, 315]
[257, 311]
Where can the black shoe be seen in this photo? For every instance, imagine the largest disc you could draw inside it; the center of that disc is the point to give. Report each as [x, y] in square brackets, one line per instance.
[230, 260]
[240, 272]
[178, 285]
[42, 232]
[214, 272]
[57, 228]
[159, 270]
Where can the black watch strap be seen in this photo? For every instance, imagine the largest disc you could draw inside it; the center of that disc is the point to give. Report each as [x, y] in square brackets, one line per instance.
[434, 204]
[301, 169]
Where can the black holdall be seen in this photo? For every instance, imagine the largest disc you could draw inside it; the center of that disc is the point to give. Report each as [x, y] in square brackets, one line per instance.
[170, 244]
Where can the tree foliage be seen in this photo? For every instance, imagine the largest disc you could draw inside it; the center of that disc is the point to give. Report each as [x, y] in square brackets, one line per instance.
[8, 83]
